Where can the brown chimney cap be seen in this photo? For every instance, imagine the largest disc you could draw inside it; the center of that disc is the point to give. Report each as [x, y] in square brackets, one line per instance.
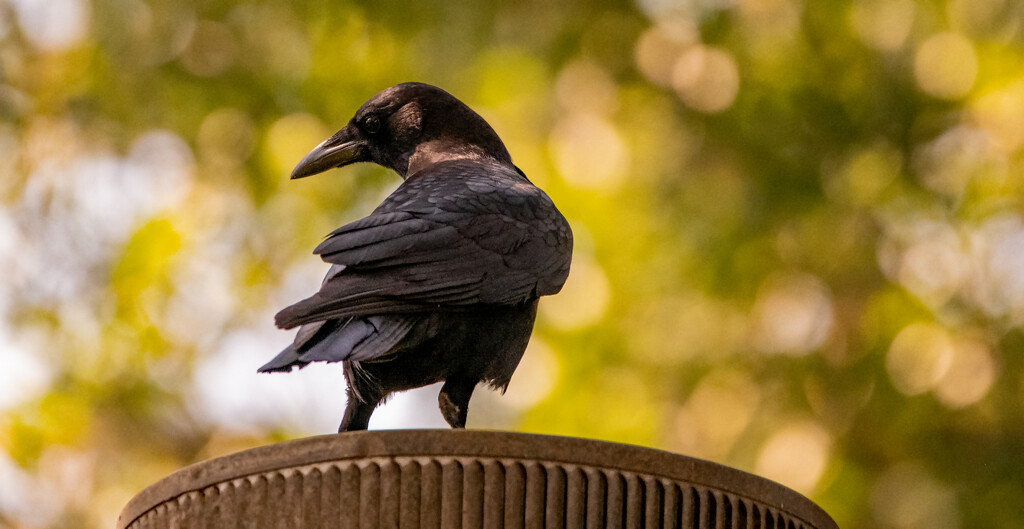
[493, 445]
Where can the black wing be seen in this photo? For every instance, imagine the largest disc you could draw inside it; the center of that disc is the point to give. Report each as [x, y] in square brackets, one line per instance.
[458, 235]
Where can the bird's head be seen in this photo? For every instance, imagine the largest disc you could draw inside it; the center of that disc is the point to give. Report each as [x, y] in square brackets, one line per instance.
[405, 128]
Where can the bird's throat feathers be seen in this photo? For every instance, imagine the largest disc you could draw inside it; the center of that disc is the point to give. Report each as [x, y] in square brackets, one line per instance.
[433, 152]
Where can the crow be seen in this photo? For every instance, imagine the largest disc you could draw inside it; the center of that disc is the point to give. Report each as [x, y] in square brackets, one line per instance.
[441, 281]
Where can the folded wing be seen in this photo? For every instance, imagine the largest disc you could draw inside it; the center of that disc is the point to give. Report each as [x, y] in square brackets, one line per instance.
[441, 242]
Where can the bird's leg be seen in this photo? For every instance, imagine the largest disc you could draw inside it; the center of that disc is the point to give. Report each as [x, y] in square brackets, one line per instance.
[454, 400]
[357, 413]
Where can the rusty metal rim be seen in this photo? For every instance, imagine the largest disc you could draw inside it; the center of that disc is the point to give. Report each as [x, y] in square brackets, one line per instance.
[471, 443]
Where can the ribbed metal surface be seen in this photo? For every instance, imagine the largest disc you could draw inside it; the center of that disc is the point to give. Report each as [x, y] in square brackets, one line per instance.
[434, 490]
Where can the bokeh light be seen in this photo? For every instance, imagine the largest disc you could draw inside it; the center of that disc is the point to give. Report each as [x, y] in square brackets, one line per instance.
[883, 24]
[718, 411]
[793, 315]
[53, 26]
[659, 47]
[970, 375]
[583, 86]
[958, 158]
[706, 78]
[996, 111]
[946, 65]
[932, 266]
[26, 378]
[920, 355]
[795, 456]
[999, 285]
[589, 151]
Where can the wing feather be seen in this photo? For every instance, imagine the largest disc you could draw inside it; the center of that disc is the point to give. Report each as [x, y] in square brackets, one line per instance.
[438, 243]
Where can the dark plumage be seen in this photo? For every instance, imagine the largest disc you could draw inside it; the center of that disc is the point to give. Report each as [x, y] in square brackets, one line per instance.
[441, 281]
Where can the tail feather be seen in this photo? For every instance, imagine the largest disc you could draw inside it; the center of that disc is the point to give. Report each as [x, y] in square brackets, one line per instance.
[356, 339]
[338, 345]
[389, 331]
[284, 361]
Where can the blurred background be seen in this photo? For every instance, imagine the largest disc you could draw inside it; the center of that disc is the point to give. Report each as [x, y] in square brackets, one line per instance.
[799, 235]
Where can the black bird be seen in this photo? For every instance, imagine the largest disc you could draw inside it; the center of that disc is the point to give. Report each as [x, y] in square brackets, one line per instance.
[441, 281]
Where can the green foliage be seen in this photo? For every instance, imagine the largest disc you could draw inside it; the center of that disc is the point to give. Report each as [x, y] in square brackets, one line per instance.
[799, 233]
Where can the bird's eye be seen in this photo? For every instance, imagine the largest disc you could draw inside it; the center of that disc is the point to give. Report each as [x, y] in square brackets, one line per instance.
[371, 124]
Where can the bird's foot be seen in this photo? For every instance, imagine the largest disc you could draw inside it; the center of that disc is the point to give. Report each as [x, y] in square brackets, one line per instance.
[454, 402]
[451, 412]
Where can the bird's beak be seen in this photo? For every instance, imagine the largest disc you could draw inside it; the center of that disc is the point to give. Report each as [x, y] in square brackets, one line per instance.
[343, 148]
